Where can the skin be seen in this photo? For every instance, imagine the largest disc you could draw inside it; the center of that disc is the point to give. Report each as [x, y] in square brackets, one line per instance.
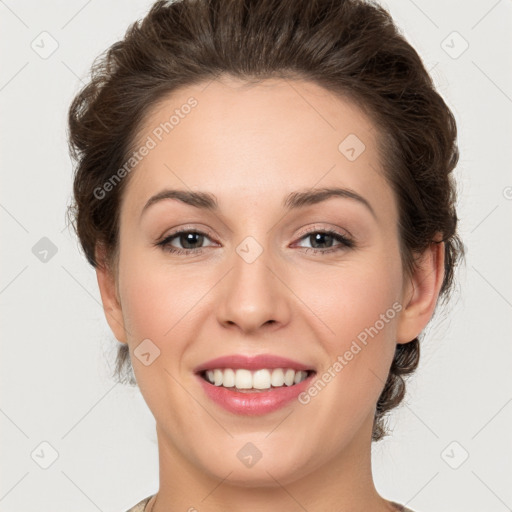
[251, 146]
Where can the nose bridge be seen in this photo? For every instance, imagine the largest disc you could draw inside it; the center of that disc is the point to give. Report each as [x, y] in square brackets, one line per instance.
[252, 296]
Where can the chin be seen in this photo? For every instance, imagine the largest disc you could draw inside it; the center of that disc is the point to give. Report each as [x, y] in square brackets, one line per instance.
[272, 471]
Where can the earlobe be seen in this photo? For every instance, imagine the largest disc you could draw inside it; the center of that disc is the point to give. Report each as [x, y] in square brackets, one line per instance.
[110, 297]
[421, 293]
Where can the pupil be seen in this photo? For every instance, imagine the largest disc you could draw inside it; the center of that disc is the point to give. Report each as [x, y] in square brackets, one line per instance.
[326, 236]
[187, 240]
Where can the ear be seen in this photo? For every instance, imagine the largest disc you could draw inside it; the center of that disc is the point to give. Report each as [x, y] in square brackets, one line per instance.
[110, 295]
[421, 292]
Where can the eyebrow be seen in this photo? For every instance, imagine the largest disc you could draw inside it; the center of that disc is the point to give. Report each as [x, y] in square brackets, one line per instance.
[294, 200]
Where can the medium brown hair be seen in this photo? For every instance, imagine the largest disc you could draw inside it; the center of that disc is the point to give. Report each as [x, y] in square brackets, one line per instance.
[350, 47]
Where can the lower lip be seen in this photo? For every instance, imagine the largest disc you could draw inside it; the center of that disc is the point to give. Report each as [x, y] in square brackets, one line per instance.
[252, 404]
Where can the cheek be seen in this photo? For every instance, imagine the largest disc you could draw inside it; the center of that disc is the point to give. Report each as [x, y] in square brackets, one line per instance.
[157, 306]
[361, 307]
[144, 302]
[350, 299]
[157, 301]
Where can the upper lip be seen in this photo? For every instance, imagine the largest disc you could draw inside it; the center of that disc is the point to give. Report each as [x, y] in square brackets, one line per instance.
[252, 363]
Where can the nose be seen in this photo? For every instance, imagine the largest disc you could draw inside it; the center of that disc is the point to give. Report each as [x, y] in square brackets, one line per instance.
[253, 296]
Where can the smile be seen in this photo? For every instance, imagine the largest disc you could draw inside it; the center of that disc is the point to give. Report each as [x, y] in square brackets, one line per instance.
[250, 401]
[243, 380]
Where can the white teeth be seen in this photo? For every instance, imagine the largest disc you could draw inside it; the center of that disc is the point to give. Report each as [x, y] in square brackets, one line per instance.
[217, 377]
[228, 378]
[243, 379]
[289, 377]
[259, 379]
[277, 378]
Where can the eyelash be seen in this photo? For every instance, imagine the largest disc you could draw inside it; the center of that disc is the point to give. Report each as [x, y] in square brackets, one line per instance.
[345, 242]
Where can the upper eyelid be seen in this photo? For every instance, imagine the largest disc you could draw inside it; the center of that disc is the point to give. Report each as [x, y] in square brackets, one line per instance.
[201, 231]
[315, 229]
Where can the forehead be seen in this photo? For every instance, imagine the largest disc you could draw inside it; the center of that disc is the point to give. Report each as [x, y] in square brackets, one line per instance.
[240, 140]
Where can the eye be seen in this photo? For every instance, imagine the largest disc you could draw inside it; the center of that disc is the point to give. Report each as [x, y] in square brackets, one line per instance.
[327, 237]
[191, 242]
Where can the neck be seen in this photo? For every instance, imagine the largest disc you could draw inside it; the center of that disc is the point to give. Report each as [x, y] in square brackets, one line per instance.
[344, 483]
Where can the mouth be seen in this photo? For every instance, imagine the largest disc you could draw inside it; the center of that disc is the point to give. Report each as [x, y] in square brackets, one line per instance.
[242, 380]
[253, 385]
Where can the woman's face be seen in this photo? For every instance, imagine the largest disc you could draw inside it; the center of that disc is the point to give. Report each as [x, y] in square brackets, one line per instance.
[262, 278]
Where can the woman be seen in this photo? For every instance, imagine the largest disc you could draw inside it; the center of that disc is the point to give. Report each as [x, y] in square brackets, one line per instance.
[264, 189]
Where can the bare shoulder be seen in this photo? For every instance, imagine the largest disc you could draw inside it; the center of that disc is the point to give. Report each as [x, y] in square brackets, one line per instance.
[139, 507]
[401, 508]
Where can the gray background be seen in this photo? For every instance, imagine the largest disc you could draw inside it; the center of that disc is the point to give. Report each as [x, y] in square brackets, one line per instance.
[57, 349]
